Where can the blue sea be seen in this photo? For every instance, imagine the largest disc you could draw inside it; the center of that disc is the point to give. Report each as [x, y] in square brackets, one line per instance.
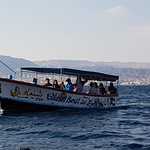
[125, 127]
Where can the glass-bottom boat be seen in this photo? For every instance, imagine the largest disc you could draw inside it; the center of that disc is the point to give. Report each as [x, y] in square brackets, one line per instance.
[23, 94]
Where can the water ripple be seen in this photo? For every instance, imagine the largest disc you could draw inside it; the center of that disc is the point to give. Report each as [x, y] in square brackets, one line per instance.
[125, 127]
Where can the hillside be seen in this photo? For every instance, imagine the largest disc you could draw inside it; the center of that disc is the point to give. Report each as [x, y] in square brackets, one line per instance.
[13, 63]
[78, 63]
[130, 73]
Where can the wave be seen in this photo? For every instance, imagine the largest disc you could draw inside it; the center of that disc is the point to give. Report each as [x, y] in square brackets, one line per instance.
[135, 146]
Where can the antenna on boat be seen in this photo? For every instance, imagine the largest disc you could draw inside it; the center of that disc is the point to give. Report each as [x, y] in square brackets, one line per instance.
[8, 68]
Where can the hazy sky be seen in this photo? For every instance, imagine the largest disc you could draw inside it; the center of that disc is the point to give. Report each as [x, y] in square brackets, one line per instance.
[98, 30]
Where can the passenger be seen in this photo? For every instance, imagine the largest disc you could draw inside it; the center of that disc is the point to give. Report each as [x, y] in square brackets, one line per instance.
[48, 84]
[10, 77]
[55, 85]
[93, 88]
[80, 84]
[91, 91]
[111, 89]
[86, 88]
[62, 86]
[69, 85]
[96, 88]
[75, 88]
[35, 81]
[102, 90]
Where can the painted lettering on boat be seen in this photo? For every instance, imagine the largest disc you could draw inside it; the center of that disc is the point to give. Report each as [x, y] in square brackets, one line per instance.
[81, 100]
[27, 93]
[52, 96]
[57, 96]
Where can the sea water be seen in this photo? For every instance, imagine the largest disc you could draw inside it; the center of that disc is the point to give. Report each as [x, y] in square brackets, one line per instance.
[125, 127]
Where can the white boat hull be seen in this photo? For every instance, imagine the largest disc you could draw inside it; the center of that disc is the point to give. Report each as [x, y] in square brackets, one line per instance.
[22, 95]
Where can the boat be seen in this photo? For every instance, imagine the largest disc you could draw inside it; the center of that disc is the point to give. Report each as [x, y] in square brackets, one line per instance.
[20, 94]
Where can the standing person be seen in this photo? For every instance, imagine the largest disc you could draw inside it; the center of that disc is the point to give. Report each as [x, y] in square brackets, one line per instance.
[69, 85]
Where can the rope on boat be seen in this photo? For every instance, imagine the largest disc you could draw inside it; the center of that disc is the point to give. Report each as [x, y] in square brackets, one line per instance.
[8, 67]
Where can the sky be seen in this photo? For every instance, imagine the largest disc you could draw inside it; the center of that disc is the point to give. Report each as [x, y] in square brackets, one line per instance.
[95, 30]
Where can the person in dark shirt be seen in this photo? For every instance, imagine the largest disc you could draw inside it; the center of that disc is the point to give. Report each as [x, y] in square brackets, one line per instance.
[102, 90]
[35, 81]
[10, 77]
[93, 88]
[111, 89]
[48, 84]
[56, 85]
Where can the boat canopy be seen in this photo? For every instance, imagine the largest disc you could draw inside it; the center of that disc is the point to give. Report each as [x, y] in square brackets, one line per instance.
[89, 75]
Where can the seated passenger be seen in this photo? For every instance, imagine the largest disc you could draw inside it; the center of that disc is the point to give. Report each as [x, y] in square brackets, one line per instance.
[69, 85]
[86, 88]
[80, 84]
[48, 84]
[55, 85]
[35, 81]
[96, 88]
[111, 89]
[62, 86]
[93, 88]
[102, 90]
[75, 88]
[10, 77]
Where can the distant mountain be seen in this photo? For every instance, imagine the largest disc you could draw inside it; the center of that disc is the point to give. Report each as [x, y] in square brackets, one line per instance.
[133, 65]
[14, 63]
[130, 73]
[82, 63]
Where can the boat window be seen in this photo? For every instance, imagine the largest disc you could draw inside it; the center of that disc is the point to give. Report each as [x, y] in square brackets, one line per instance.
[74, 84]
